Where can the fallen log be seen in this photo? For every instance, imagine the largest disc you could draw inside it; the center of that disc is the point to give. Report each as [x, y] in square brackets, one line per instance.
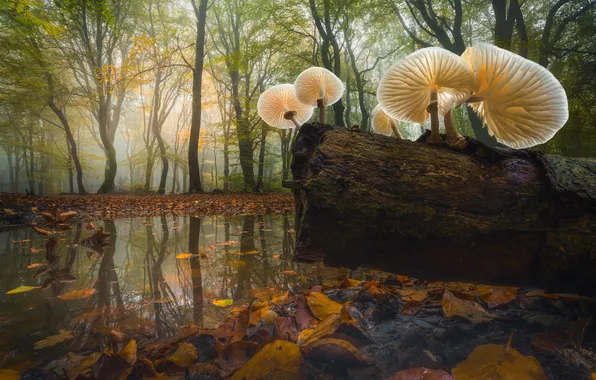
[493, 216]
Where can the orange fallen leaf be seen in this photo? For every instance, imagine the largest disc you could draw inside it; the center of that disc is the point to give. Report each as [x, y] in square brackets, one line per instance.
[53, 339]
[349, 282]
[332, 350]
[77, 294]
[9, 374]
[501, 295]
[412, 295]
[129, 352]
[223, 303]
[290, 272]
[182, 256]
[453, 306]
[35, 265]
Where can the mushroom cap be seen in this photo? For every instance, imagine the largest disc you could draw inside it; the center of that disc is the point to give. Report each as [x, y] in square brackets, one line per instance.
[276, 101]
[381, 122]
[404, 91]
[523, 104]
[314, 83]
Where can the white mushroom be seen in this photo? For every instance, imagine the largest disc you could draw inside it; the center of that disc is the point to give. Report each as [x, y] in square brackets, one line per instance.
[318, 87]
[521, 102]
[428, 81]
[384, 124]
[279, 107]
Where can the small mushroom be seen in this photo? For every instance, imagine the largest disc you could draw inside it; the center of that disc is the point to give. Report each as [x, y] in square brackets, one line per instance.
[279, 107]
[384, 124]
[521, 102]
[318, 87]
[426, 82]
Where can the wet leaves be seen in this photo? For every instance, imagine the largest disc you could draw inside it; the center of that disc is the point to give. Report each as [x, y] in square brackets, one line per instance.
[223, 303]
[54, 339]
[335, 351]
[453, 306]
[129, 352]
[322, 306]
[421, 374]
[278, 360]
[22, 289]
[9, 374]
[77, 294]
[499, 296]
[183, 256]
[495, 361]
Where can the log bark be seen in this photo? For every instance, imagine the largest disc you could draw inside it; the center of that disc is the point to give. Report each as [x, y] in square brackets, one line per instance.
[493, 216]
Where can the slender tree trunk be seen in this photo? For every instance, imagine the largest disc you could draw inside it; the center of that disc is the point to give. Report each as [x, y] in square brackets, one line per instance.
[259, 185]
[73, 147]
[174, 177]
[195, 128]
[157, 133]
[70, 174]
[226, 186]
[112, 164]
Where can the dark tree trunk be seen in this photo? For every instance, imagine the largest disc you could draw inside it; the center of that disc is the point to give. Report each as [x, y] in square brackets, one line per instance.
[195, 267]
[195, 125]
[491, 216]
[261, 170]
[73, 147]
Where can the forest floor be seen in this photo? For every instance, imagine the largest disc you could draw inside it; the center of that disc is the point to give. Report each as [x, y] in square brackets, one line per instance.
[18, 209]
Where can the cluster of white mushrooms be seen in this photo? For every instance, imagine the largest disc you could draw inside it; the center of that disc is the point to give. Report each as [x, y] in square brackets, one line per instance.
[288, 105]
[522, 103]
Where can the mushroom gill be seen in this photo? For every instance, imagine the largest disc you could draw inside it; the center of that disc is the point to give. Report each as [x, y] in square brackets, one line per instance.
[279, 107]
[318, 87]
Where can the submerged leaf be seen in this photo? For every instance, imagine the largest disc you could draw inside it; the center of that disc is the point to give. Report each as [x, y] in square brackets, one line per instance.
[333, 350]
[36, 265]
[467, 309]
[22, 289]
[54, 339]
[9, 374]
[76, 294]
[184, 355]
[278, 360]
[500, 295]
[182, 256]
[496, 361]
[421, 374]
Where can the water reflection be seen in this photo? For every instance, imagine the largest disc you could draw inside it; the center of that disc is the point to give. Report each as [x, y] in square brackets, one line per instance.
[151, 277]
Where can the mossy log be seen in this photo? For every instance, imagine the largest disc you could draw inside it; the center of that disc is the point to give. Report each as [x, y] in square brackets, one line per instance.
[484, 215]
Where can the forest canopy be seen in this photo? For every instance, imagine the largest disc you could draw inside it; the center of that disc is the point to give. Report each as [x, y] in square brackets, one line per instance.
[118, 95]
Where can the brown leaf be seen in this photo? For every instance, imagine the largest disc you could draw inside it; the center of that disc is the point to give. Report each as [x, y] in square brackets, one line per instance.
[184, 356]
[501, 295]
[349, 283]
[412, 295]
[236, 355]
[41, 231]
[66, 216]
[53, 339]
[285, 328]
[9, 374]
[278, 360]
[321, 306]
[328, 326]
[469, 310]
[421, 374]
[304, 319]
[334, 351]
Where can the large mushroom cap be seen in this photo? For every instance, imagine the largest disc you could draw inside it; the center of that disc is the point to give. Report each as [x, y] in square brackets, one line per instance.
[381, 122]
[317, 82]
[279, 99]
[523, 104]
[404, 91]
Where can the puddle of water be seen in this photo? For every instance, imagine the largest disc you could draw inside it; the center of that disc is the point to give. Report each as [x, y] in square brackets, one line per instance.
[143, 284]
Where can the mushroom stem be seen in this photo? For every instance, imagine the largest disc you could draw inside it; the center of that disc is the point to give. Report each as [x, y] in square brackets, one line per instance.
[322, 104]
[291, 115]
[396, 131]
[433, 110]
[453, 138]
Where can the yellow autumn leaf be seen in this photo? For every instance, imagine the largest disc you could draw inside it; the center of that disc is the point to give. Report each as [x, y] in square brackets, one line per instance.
[469, 310]
[278, 360]
[256, 315]
[497, 361]
[328, 326]
[322, 306]
[182, 256]
[253, 252]
[129, 352]
[9, 374]
[184, 355]
[77, 294]
[53, 339]
[22, 289]
[223, 303]
[349, 282]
